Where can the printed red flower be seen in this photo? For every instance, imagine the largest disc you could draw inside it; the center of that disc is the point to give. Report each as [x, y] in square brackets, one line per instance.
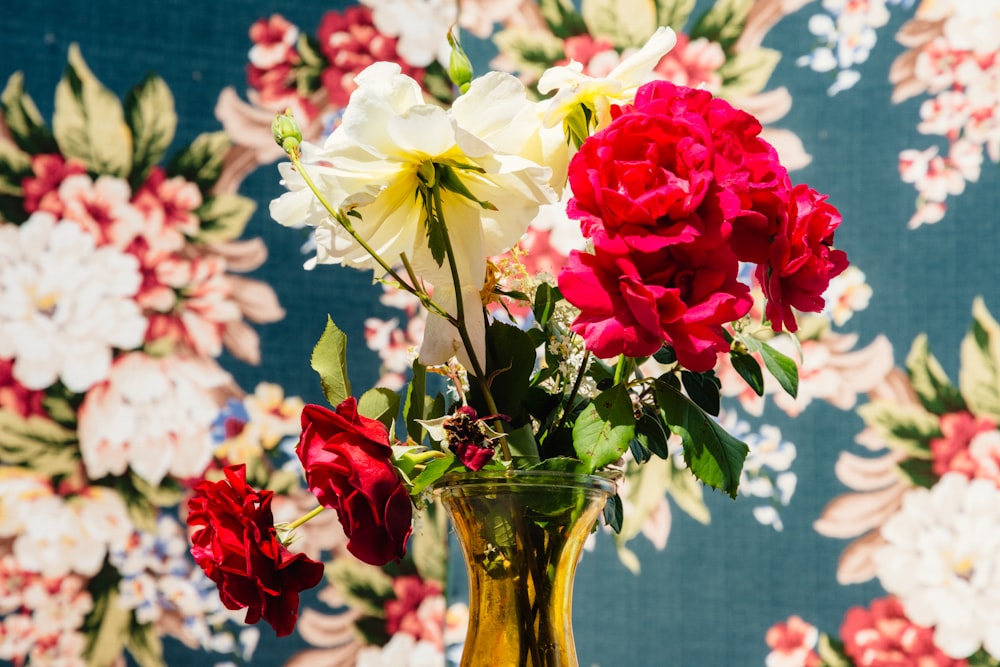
[792, 644]
[412, 610]
[41, 191]
[801, 260]
[234, 541]
[348, 465]
[882, 636]
[967, 445]
[16, 397]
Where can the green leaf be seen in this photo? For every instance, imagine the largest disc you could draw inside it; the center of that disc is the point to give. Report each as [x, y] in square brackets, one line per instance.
[144, 645]
[37, 443]
[713, 455]
[88, 121]
[704, 389]
[783, 368]
[562, 18]
[530, 50]
[546, 298]
[666, 356]
[202, 161]
[414, 406]
[428, 547]
[613, 513]
[521, 442]
[979, 377]
[329, 359]
[747, 72]
[920, 472]
[107, 628]
[652, 434]
[674, 13]
[930, 382]
[149, 111]
[831, 651]
[22, 119]
[223, 217]
[723, 22]
[625, 23]
[749, 370]
[432, 472]
[902, 426]
[380, 403]
[603, 430]
[365, 588]
[510, 359]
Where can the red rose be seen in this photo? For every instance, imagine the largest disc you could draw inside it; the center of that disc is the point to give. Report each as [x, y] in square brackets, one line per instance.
[882, 636]
[632, 302]
[801, 261]
[235, 543]
[348, 465]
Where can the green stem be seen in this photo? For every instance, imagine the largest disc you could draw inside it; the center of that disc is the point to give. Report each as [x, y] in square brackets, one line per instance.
[620, 368]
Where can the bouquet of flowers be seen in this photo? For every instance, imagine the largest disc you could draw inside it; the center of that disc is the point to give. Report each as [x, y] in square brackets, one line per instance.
[686, 213]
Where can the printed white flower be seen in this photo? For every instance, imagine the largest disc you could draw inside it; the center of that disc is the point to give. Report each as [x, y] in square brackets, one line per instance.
[847, 294]
[153, 416]
[402, 651]
[64, 304]
[419, 26]
[619, 86]
[492, 141]
[942, 560]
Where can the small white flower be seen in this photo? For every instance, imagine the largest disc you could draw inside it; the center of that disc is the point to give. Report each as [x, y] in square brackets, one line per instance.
[65, 305]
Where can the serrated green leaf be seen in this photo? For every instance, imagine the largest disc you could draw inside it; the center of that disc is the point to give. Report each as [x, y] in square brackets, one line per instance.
[749, 370]
[704, 389]
[650, 431]
[929, 381]
[723, 22]
[329, 359]
[202, 161]
[979, 377]
[38, 443]
[713, 455]
[23, 120]
[783, 368]
[625, 23]
[674, 13]
[432, 472]
[88, 122]
[748, 72]
[902, 426]
[603, 430]
[149, 111]
[380, 403]
[224, 217]
[414, 406]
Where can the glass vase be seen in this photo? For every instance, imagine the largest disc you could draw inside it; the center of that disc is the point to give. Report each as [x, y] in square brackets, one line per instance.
[521, 533]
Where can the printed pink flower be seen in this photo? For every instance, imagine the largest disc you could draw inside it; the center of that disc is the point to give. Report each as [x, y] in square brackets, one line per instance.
[41, 191]
[102, 207]
[802, 260]
[273, 57]
[969, 445]
[693, 63]
[235, 542]
[168, 206]
[792, 644]
[351, 42]
[882, 636]
[348, 466]
[417, 609]
[598, 56]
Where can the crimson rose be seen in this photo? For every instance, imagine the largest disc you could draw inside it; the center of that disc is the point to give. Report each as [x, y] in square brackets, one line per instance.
[348, 465]
[235, 543]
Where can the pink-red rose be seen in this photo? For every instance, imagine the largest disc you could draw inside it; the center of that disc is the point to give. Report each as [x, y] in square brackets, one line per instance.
[801, 259]
[234, 541]
[348, 465]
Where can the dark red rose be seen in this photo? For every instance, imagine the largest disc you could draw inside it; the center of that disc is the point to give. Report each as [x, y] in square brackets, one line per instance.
[234, 541]
[348, 464]
[801, 260]
[882, 636]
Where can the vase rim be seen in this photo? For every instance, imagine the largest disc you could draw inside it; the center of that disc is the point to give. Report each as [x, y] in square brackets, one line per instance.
[601, 481]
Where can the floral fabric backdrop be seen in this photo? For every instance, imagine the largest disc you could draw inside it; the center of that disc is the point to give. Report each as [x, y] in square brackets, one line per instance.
[156, 324]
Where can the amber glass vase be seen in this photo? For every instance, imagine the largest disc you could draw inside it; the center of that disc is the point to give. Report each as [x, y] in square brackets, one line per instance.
[521, 533]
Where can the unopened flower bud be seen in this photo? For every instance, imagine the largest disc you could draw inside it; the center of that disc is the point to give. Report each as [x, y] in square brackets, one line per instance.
[286, 132]
[459, 65]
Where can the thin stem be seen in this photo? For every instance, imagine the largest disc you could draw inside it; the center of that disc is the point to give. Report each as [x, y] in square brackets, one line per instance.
[312, 514]
[568, 404]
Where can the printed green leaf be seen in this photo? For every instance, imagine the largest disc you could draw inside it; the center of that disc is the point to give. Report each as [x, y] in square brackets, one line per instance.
[902, 426]
[713, 455]
[562, 18]
[749, 370]
[723, 22]
[107, 625]
[149, 110]
[224, 217]
[783, 368]
[365, 588]
[748, 72]
[414, 406]
[37, 443]
[603, 430]
[144, 645]
[831, 651]
[428, 546]
[380, 403]
[329, 359]
[929, 380]
[674, 13]
[22, 119]
[88, 121]
[15, 165]
[201, 162]
[530, 51]
[625, 23]
[979, 377]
